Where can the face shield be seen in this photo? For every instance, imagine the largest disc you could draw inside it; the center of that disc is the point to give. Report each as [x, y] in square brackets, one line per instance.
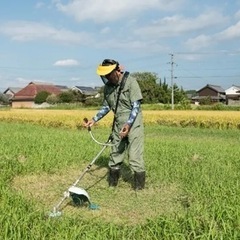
[104, 79]
[104, 70]
[107, 66]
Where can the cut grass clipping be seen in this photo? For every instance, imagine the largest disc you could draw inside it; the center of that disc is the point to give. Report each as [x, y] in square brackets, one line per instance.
[120, 205]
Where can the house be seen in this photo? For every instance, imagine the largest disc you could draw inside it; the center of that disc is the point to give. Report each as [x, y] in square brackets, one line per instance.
[10, 92]
[233, 95]
[25, 97]
[63, 88]
[213, 93]
[86, 92]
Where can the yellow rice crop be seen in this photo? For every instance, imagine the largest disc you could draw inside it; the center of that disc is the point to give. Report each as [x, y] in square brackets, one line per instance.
[74, 118]
[55, 118]
[205, 119]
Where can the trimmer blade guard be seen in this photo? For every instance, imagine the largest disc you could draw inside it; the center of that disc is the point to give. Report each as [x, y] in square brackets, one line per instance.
[79, 195]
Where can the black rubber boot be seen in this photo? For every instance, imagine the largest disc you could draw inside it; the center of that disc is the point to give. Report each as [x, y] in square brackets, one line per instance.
[139, 180]
[114, 174]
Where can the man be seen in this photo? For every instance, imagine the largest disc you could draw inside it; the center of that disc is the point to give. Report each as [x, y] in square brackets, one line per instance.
[128, 128]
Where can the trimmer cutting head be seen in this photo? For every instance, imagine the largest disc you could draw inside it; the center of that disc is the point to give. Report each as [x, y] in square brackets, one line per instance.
[79, 196]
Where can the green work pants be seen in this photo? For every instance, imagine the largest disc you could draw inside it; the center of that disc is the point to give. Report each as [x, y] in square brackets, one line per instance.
[132, 147]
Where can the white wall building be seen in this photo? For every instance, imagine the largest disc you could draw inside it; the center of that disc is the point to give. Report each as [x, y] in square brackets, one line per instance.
[233, 95]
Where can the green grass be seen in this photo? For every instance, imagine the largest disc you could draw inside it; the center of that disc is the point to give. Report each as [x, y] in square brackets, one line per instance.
[192, 189]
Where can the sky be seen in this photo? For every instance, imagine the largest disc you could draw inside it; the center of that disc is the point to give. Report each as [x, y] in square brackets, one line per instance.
[187, 42]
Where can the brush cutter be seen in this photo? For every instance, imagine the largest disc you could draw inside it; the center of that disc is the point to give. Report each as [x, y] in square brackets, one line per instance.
[79, 195]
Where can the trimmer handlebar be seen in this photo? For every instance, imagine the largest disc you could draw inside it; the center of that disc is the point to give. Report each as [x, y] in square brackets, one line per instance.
[108, 143]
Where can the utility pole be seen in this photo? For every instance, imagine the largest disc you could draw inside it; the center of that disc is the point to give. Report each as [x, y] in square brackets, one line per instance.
[172, 82]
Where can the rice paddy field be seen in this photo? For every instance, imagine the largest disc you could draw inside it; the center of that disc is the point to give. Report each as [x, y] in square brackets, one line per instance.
[192, 185]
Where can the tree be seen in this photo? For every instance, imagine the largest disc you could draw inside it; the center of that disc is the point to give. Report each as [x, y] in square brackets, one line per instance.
[193, 93]
[52, 99]
[165, 92]
[67, 97]
[205, 101]
[41, 97]
[157, 93]
[148, 84]
[179, 94]
[77, 96]
[4, 99]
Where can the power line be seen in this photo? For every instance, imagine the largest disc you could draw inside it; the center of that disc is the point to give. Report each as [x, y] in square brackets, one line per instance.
[237, 76]
[209, 53]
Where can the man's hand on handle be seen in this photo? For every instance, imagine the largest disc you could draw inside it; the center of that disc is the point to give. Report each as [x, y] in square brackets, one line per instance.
[124, 131]
[88, 123]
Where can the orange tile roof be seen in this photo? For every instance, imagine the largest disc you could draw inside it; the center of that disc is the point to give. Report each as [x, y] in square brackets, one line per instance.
[31, 90]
